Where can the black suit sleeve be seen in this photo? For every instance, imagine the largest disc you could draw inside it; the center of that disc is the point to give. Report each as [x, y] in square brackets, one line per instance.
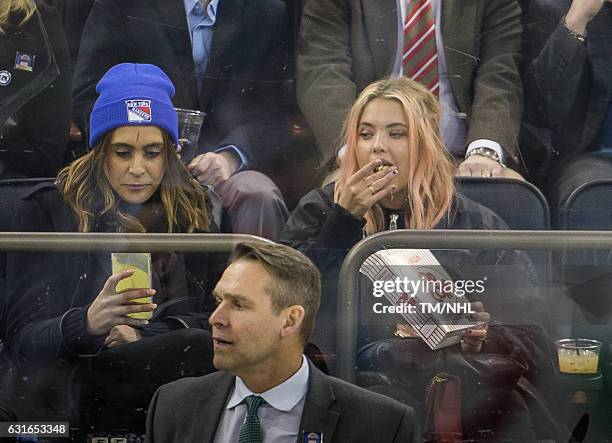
[102, 46]
[554, 65]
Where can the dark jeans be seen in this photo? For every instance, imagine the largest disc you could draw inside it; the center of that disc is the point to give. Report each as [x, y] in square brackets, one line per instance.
[252, 204]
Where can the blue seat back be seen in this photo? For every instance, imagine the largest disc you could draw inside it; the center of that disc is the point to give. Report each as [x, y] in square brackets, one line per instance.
[588, 207]
[519, 203]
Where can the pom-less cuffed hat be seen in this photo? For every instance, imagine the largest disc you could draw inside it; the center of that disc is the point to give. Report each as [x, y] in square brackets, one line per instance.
[133, 95]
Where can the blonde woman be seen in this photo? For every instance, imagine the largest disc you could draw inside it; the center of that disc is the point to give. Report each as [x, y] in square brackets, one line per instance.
[35, 90]
[63, 309]
[396, 174]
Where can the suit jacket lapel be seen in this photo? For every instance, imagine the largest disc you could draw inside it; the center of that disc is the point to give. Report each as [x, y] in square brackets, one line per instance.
[208, 410]
[317, 417]
[226, 30]
[173, 15]
[380, 17]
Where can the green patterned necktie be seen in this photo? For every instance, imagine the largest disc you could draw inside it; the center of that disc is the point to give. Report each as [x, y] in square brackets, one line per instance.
[250, 431]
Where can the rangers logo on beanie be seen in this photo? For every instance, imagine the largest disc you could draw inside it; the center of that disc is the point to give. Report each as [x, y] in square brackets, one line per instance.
[133, 95]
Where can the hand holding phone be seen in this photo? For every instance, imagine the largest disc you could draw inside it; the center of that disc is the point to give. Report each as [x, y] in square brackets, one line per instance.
[141, 278]
[110, 309]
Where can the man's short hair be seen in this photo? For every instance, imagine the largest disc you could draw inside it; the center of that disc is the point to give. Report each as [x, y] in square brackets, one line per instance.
[297, 281]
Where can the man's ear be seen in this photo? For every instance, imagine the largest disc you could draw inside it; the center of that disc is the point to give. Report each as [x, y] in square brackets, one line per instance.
[294, 317]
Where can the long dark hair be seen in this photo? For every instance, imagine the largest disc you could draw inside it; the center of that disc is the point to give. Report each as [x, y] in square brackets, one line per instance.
[86, 189]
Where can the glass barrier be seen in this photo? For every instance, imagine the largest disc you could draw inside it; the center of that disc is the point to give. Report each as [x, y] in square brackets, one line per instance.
[520, 321]
[65, 364]
[271, 110]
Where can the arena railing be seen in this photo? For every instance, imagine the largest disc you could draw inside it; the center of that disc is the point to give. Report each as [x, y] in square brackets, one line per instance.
[70, 242]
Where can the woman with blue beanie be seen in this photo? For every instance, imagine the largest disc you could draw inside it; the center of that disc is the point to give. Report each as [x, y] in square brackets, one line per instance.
[68, 331]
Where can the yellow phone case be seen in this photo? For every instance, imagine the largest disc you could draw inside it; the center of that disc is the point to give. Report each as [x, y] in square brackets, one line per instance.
[140, 262]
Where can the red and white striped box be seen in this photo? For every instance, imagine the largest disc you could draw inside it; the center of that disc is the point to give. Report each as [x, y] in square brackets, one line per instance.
[439, 316]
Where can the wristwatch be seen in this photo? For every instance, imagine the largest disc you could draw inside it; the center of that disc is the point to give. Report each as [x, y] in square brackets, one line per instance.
[485, 152]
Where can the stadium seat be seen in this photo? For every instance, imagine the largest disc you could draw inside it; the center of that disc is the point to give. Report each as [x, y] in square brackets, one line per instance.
[585, 210]
[519, 203]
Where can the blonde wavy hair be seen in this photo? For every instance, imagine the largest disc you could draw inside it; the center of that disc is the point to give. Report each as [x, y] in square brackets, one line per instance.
[430, 188]
[86, 189]
[22, 9]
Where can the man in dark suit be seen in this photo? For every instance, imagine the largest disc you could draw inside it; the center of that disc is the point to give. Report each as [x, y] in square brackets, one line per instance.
[345, 45]
[220, 62]
[267, 391]
[568, 92]
[74, 14]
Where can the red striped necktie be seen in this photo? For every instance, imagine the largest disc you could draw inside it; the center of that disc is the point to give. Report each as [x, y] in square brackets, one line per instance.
[420, 56]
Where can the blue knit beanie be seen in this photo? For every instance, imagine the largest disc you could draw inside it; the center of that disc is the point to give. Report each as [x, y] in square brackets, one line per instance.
[133, 95]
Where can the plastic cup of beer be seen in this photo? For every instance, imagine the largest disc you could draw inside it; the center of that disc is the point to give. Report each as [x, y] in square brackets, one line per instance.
[190, 123]
[578, 355]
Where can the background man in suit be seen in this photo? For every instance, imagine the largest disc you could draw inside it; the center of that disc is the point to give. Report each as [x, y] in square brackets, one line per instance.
[346, 44]
[220, 62]
[568, 84]
[267, 391]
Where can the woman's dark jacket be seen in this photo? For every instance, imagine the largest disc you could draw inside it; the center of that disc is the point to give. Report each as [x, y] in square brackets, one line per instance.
[325, 232]
[36, 106]
[49, 292]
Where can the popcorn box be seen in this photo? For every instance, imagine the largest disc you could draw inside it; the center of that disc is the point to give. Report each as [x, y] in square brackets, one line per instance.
[439, 316]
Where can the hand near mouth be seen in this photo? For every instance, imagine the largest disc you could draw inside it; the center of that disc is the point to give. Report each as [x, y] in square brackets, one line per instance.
[365, 188]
